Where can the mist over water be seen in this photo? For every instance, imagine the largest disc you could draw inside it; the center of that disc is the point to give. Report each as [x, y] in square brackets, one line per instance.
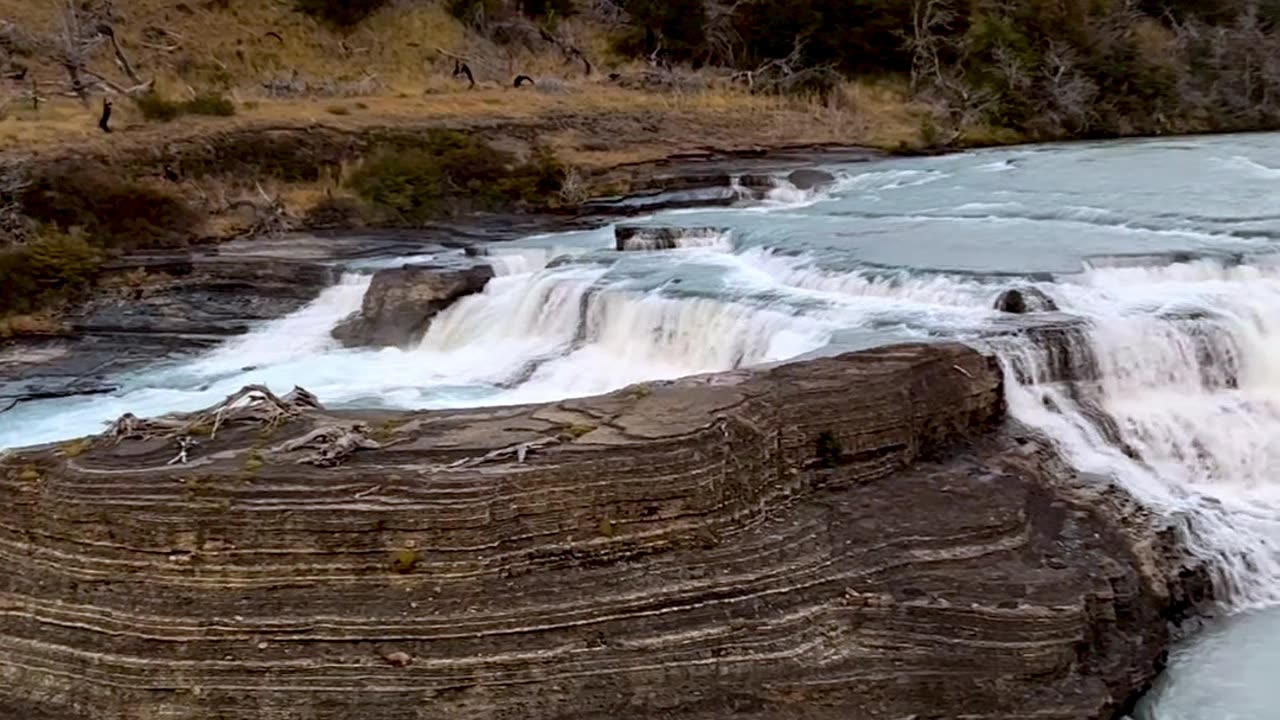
[1166, 379]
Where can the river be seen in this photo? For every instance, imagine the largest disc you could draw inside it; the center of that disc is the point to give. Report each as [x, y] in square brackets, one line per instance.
[1159, 253]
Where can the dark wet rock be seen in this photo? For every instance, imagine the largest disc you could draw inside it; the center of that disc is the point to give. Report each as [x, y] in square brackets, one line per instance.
[861, 536]
[153, 309]
[401, 302]
[810, 179]
[47, 368]
[758, 182]
[1025, 300]
[207, 296]
[665, 237]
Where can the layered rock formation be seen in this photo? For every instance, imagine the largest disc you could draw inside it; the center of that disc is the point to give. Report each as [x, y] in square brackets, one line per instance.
[856, 537]
[400, 303]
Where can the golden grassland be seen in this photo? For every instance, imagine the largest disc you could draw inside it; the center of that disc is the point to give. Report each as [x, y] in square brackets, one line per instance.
[226, 49]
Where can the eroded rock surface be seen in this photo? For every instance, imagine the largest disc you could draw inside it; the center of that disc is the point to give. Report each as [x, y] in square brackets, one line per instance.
[401, 302]
[852, 537]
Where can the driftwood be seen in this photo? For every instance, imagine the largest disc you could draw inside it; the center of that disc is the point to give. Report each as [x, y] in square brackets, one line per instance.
[252, 404]
[331, 444]
[519, 451]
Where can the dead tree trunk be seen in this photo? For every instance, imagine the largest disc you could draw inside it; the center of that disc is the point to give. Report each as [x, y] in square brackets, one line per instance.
[106, 116]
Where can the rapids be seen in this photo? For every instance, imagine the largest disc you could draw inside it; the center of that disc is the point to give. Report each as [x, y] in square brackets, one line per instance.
[1165, 376]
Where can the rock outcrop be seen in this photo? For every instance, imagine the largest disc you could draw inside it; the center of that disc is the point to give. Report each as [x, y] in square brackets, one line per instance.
[853, 537]
[1020, 301]
[401, 302]
[668, 237]
[155, 309]
[810, 179]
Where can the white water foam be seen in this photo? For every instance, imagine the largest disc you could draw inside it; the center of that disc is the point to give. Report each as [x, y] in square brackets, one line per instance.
[1185, 408]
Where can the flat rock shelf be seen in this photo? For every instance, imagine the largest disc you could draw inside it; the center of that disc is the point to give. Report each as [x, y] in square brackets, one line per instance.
[865, 536]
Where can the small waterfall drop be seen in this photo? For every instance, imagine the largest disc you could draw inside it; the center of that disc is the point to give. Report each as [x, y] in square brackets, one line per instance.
[1171, 386]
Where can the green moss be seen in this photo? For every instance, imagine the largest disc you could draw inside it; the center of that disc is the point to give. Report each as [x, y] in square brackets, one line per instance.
[387, 430]
[76, 448]
[254, 461]
[404, 561]
[577, 430]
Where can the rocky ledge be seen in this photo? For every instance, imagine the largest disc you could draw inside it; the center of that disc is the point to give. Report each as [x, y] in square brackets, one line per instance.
[856, 537]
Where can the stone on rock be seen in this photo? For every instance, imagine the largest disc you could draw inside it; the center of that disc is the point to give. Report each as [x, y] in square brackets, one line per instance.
[809, 179]
[666, 237]
[1020, 301]
[401, 302]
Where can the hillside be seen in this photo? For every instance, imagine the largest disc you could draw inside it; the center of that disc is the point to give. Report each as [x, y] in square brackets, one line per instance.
[280, 65]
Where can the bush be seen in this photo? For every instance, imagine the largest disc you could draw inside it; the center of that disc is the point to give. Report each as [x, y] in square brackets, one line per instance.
[452, 172]
[52, 267]
[155, 108]
[339, 13]
[112, 212]
[209, 104]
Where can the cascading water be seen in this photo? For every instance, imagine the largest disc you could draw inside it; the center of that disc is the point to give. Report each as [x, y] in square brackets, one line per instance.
[1177, 397]
[1159, 373]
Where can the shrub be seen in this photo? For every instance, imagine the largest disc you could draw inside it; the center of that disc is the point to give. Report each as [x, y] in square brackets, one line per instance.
[156, 108]
[339, 13]
[112, 212]
[452, 172]
[209, 104]
[52, 267]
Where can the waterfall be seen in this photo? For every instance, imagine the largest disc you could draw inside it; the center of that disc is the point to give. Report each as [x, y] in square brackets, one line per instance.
[1171, 386]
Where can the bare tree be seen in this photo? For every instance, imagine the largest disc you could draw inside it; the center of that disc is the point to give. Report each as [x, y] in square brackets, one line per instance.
[930, 22]
[73, 47]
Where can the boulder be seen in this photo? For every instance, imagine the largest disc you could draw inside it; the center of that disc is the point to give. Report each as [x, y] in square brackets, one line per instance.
[400, 303]
[810, 179]
[1020, 301]
[864, 536]
[666, 237]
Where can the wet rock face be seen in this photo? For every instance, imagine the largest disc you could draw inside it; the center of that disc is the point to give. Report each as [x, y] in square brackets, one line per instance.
[1020, 301]
[665, 237]
[809, 179]
[401, 302]
[850, 537]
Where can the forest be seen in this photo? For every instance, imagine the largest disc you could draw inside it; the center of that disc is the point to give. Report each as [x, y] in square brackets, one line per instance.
[1040, 69]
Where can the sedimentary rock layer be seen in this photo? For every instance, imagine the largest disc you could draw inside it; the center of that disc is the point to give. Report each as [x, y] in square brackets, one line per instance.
[856, 537]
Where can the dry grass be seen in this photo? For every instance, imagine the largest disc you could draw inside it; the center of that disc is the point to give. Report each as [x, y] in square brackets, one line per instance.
[28, 325]
[596, 122]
